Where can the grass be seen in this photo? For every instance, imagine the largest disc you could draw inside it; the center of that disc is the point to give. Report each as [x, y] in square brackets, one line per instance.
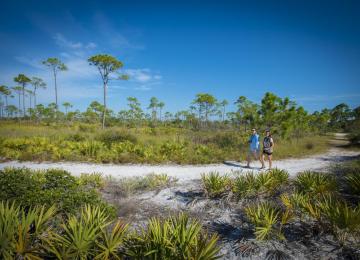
[84, 142]
[131, 185]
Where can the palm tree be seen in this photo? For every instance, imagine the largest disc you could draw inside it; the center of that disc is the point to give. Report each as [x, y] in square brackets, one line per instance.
[223, 104]
[55, 65]
[23, 80]
[154, 103]
[37, 83]
[4, 91]
[67, 105]
[30, 94]
[106, 64]
[18, 90]
[161, 106]
[10, 110]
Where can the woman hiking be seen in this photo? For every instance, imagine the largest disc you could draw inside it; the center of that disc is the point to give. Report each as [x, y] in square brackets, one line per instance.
[268, 146]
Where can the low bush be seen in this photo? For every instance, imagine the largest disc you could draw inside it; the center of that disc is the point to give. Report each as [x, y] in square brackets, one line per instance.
[353, 182]
[32, 234]
[215, 185]
[109, 137]
[94, 180]
[266, 183]
[315, 183]
[36, 188]
[173, 238]
[267, 219]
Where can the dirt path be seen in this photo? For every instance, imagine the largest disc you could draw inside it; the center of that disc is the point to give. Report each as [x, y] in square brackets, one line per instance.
[188, 172]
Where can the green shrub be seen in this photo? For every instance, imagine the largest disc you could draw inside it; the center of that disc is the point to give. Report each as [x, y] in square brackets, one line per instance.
[215, 185]
[87, 128]
[266, 218]
[114, 136]
[33, 188]
[263, 183]
[94, 180]
[315, 183]
[76, 137]
[21, 230]
[344, 220]
[173, 238]
[353, 182]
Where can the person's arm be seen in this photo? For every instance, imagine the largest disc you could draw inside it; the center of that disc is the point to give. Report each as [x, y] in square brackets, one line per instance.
[272, 142]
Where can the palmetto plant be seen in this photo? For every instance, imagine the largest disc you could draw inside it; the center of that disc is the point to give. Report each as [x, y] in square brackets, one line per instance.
[108, 243]
[78, 239]
[215, 184]
[265, 217]
[353, 181]
[20, 231]
[315, 183]
[280, 176]
[344, 220]
[266, 182]
[176, 237]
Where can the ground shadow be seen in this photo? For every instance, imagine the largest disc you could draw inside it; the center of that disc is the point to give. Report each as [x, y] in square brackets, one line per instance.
[340, 158]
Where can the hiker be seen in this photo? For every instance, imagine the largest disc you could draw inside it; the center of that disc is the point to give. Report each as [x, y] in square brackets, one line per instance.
[254, 147]
[268, 146]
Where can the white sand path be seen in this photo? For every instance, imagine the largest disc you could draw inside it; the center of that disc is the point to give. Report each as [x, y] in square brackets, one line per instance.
[188, 172]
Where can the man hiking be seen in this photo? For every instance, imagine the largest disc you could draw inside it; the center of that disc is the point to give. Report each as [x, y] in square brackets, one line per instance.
[254, 150]
[268, 146]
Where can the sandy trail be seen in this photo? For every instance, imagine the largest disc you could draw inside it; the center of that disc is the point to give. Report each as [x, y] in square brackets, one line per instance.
[189, 172]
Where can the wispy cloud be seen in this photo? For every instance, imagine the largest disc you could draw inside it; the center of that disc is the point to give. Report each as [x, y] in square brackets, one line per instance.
[145, 79]
[61, 41]
[143, 75]
[111, 35]
[32, 62]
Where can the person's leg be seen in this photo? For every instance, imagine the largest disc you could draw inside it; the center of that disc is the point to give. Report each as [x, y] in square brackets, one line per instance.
[262, 157]
[270, 161]
[248, 159]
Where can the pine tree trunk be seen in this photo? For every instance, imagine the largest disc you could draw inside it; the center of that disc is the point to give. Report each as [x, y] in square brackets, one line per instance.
[56, 96]
[104, 112]
[23, 90]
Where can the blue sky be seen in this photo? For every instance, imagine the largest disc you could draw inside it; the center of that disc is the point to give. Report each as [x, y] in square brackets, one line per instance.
[307, 50]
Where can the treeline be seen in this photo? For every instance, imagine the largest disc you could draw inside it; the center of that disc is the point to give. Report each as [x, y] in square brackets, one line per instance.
[282, 115]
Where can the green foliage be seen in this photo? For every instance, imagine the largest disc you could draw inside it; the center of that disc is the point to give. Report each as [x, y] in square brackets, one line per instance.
[31, 234]
[173, 238]
[83, 142]
[109, 137]
[353, 181]
[93, 180]
[215, 184]
[20, 230]
[315, 183]
[53, 186]
[263, 183]
[266, 218]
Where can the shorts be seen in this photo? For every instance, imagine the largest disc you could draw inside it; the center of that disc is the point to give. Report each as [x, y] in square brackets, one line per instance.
[251, 151]
[267, 152]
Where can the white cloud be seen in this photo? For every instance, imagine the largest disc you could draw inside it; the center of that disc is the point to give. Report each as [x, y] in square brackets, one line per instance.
[111, 34]
[61, 41]
[143, 75]
[35, 63]
[91, 45]
[143, 88]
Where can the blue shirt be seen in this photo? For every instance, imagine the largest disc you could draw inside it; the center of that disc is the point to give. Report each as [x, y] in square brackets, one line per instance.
[254, 142]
